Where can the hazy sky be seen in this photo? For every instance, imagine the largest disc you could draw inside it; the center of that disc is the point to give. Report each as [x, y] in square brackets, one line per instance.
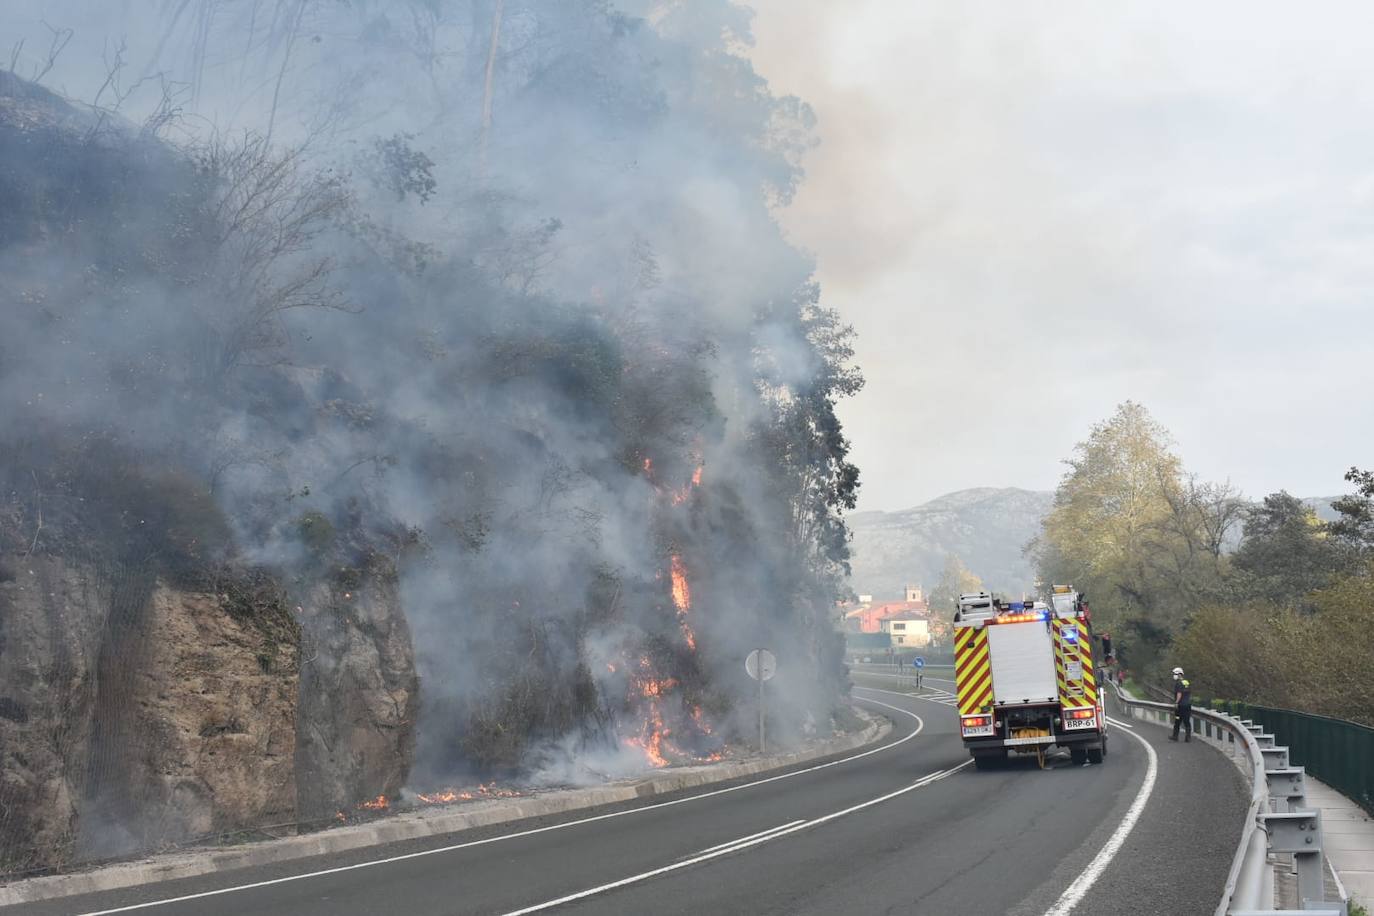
[1033, 211]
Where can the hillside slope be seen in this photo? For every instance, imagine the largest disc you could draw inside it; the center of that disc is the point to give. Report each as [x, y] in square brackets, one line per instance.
[986, 527]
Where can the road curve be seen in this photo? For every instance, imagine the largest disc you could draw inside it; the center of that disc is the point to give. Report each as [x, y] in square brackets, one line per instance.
[906, 827]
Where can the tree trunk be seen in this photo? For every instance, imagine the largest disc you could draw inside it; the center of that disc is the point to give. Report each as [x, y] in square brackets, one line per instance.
[487, 86]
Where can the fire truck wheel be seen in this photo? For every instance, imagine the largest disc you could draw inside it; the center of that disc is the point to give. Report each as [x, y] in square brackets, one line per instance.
[1078, 755]
[989, 761]
[1095, 754]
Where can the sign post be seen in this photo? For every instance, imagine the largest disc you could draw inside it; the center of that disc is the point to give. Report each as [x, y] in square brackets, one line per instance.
[761, 665]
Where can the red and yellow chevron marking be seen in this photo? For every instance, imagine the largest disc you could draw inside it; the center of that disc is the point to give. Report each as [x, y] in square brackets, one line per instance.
[972, 669]
[1079, 691]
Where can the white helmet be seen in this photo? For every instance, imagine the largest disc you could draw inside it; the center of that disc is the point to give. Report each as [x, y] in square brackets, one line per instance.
[1178, 672]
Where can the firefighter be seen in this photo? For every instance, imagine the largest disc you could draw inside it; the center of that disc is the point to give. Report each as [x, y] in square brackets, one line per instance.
[1183, 706]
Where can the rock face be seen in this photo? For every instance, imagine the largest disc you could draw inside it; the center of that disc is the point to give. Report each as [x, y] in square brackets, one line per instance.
[129, 725]
[197, 727]
[134, 714]
[359, 695]
[52, 614]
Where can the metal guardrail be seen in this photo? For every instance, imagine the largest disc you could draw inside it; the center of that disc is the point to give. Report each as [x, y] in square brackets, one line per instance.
[1339, 753]
[1288, 829]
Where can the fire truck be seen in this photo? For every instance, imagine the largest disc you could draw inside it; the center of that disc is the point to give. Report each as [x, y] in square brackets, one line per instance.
[1024, 677]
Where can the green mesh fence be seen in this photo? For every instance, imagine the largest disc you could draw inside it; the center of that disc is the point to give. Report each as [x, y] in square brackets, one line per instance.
[1339, 753]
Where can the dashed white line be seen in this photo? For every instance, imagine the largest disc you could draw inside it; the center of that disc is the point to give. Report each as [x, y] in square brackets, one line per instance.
[752, 836]
[743, 843]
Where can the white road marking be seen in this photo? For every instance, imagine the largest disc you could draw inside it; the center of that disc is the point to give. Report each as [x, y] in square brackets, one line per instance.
[909, 696]
[752, 836]
[1119, 722]
[920, 724]
[743, 844]
[1084, 882]
[902, 677]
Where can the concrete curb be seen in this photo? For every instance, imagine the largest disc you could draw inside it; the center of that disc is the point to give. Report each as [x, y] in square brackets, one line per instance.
[417, 825]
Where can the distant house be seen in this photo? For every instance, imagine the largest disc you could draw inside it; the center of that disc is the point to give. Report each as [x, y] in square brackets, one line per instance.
[908, 631]
[870, 618]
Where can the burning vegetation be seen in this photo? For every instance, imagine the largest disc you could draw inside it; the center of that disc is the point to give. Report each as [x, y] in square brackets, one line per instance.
[436, 351]
[451, 795]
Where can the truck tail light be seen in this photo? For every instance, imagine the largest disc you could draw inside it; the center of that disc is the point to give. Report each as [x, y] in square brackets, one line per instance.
[977, 725]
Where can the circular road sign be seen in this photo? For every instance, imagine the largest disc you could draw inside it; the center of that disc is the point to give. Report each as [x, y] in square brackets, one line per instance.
[918, 662]
[761, 665]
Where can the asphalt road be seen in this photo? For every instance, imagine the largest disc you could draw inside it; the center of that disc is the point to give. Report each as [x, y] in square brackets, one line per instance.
[907, 827]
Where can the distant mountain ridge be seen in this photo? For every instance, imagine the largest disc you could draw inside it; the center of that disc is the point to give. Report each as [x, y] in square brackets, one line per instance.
[986, 527]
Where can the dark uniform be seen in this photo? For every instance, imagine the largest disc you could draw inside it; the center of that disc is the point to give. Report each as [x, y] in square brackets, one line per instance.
[1183, 710]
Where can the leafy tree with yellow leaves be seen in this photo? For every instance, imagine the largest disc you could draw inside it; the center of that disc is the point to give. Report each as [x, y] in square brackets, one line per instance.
[1135, 534]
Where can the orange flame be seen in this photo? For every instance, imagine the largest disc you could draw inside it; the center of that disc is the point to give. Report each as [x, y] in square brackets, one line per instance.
[682, 599]
[449, 795]
[681, 496]
[377, 804]
[657, 687]
[682, 592]
[650, 738]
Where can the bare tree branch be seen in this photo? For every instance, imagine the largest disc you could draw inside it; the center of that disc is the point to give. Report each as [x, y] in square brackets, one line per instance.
[269, 211]
[60, 37]
[285, 60]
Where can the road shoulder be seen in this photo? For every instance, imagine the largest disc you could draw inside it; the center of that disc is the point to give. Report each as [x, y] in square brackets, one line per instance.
[423, 824]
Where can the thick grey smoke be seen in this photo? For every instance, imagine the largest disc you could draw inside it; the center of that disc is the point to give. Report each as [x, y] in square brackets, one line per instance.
[484, 299]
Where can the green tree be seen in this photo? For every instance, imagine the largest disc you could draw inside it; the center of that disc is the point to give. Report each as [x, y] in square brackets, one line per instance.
[1108, 508]
[1318, 662]
[1287, 552]
[1356, 523]
[1340, 654]
[1142, 540]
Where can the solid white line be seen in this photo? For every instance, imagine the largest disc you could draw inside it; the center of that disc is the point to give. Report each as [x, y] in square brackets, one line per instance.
[1074, 893]
[920, 724]
[805, 825]
[1119, 722]
[751, 836]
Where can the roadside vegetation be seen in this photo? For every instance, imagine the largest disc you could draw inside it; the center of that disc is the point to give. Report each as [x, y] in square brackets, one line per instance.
[1258, 601]
[493, 301]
